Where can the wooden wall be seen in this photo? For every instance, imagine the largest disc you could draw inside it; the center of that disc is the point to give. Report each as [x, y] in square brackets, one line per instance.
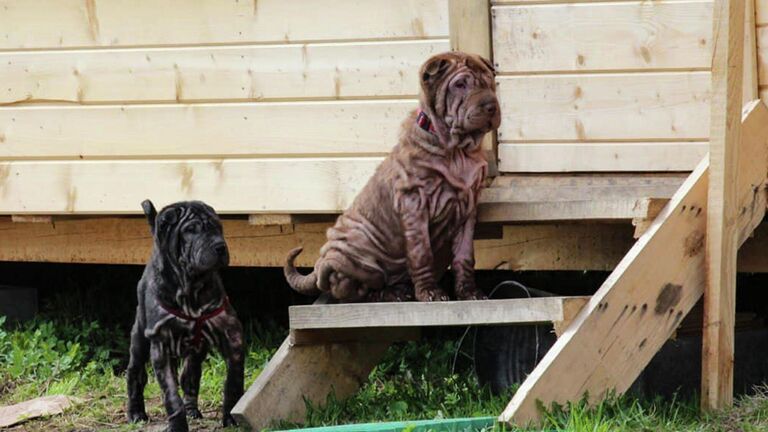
[254, 106]
[606, 86]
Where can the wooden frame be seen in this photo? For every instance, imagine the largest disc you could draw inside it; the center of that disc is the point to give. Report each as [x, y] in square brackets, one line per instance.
[640, 308]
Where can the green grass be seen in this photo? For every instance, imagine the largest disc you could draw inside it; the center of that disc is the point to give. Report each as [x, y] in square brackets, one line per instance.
[415, 381]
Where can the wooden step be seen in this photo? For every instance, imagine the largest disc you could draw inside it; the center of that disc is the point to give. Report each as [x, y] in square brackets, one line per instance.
[450, 313]
[333, 347]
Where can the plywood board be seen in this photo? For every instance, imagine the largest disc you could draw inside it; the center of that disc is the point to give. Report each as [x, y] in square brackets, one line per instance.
[603, 36]
[51, 24]
[638, 107]
[202, 130]
[216, 74]
[598, 157]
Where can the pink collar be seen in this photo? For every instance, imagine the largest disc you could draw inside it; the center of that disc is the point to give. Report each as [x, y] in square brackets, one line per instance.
[425, 123]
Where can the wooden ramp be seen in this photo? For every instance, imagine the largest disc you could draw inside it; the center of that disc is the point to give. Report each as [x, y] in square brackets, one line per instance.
[333, 347]
[657, 283]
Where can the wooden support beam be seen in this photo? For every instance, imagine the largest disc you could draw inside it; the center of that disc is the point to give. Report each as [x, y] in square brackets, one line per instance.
[470, 31]
[306, 372]
[117, 240]
[722, 231]
[645, 298]
[300, 373]
[449, 313]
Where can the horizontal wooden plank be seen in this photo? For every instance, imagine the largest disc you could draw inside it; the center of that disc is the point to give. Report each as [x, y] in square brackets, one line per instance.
[648, 106]
[581, 187]
[761, 12]
[417, 314]
[598, 157]
[248, 186]
[593, 209]
[241, 186]
[200, 74]
[761, 36]
[603, 36]
[127, 240]
[46, 24]
[200, 130]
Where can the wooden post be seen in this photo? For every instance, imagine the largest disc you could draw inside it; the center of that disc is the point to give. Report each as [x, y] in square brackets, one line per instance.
[725, 126]
[470, 31]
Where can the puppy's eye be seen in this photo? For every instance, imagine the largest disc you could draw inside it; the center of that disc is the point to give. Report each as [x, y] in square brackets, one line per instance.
[461, 84]
[192, 228]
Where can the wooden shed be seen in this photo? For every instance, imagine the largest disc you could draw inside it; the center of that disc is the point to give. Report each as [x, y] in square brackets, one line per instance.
[277, 111]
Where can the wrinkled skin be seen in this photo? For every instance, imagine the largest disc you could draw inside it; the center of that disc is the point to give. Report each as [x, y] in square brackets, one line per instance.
[182, 274]
[416, 215]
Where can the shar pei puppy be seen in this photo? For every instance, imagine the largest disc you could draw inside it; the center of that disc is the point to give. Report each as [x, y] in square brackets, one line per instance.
[416, 215]
[182, 313]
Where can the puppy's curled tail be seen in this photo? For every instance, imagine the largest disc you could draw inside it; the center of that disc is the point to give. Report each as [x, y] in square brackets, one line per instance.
[306, 285]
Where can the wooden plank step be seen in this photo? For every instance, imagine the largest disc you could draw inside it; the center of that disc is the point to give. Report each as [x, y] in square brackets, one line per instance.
[449, 313]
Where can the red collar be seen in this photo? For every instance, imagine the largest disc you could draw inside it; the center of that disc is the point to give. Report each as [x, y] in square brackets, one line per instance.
[425, 123]
[197, 330]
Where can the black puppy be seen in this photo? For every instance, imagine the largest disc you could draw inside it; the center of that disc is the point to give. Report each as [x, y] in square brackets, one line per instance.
[183, 311]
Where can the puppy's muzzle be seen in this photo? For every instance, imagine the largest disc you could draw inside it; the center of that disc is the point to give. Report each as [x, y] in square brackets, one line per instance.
[485, 113]
[222, 253]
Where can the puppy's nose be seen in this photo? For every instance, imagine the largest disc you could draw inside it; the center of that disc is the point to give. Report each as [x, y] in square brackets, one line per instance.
[221, 249]
[491, 107]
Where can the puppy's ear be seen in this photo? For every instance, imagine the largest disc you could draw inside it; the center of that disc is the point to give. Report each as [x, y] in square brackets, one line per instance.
[150, 212]
[488, 63]
[433, 69]
[169, 216]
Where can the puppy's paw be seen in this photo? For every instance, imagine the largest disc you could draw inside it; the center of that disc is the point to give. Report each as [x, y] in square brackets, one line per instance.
[435, 294]
[472, 294]
[138, 417]
[228, 420]
[194, 413]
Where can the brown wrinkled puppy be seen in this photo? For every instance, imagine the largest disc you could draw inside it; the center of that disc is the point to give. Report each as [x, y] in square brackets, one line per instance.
[417, 213]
